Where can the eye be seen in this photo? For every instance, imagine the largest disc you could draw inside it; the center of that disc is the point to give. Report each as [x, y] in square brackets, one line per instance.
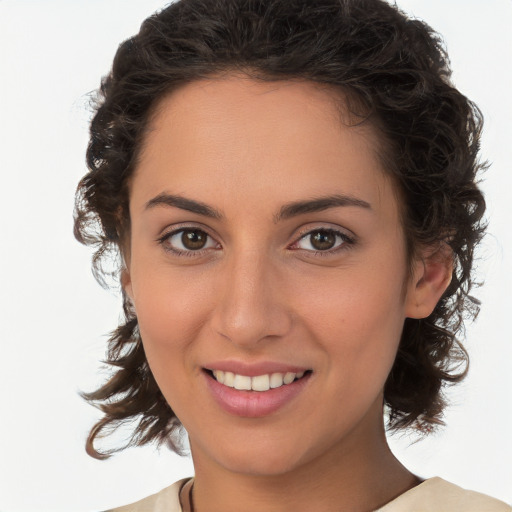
[322, 240]
[188, 240]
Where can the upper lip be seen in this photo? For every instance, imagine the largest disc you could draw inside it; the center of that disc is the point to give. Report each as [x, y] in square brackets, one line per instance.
[255, 369]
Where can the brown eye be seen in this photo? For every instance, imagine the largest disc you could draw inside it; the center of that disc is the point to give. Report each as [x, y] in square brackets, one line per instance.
[188, 240]
[323, 240]
[193, 239]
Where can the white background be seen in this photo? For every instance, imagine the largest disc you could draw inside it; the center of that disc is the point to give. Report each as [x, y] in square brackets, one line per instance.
[54, 317]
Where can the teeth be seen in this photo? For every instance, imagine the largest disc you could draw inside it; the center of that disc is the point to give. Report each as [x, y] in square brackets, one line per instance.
[276, 380]
[219, 375]
[229, 379]
[289, 378]
[258, 383]
[242, 382]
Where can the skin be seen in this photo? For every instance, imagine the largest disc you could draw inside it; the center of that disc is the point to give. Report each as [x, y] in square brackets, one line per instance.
[259, 291]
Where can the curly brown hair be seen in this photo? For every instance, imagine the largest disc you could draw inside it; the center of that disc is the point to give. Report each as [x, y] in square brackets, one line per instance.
[397, 70]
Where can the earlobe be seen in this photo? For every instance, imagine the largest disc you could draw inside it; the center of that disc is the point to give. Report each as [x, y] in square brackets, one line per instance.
[126, 283]
[432, 276]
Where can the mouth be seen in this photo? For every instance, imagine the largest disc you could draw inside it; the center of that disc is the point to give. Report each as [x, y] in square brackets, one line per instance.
[258, 383]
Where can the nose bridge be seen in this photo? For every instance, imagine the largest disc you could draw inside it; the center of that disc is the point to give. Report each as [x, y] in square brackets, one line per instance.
[250, 307]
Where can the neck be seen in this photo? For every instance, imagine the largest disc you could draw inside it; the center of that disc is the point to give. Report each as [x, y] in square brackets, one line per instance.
[359, 474]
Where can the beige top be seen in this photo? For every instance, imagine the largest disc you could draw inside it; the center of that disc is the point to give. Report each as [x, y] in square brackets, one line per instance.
[432, 495]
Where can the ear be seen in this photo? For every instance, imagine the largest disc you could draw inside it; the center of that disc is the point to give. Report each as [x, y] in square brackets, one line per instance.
[431, 277]
[126, 283]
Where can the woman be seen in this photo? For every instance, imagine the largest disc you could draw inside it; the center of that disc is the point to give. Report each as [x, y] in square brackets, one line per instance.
[291, 187]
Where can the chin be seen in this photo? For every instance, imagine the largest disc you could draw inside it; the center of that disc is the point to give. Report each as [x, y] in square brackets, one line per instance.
[272, 463]
[261, 457]
[260, 464]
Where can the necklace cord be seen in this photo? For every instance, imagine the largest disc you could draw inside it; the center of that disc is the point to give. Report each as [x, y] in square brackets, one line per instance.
[191, 498]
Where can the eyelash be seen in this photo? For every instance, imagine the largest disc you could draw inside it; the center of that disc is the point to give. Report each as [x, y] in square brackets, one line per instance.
[346, 241]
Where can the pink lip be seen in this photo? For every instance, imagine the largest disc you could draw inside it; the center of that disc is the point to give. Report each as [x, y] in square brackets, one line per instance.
[254, 369]
[254, 404]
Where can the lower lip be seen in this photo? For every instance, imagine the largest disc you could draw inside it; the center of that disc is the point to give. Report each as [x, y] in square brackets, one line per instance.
[254, 404]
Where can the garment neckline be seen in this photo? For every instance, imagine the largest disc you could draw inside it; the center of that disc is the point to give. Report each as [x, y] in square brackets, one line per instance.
[424, 483]
[417, 488]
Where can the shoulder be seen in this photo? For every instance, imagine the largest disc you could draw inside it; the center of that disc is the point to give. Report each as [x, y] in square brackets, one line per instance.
[167, 500]
[438, 495]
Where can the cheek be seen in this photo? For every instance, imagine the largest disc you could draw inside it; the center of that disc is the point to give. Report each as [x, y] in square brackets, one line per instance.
[169, 303]
[358, 319]
[169, 314]
[361, 299]
[171, 308]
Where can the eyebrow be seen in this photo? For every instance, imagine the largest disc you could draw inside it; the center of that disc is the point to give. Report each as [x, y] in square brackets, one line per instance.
[287, 211]
[183, 203]
[319, 204]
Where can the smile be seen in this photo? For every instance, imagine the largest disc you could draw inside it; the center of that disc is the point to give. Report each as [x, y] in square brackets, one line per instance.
[255, 396]
[256, 383]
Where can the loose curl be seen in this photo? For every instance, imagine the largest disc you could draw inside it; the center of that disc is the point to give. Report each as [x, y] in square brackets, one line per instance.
[397, 71]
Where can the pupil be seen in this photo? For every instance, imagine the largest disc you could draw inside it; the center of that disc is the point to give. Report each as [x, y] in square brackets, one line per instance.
[323, 240]
[193, 239]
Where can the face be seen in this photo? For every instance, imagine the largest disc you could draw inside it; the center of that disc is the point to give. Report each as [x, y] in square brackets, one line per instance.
[266, 253]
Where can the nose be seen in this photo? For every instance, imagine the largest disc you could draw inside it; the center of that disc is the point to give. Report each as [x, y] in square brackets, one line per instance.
[250, 306]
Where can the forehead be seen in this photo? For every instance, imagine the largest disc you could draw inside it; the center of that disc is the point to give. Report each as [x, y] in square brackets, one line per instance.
[263, 106]
[286, 139]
